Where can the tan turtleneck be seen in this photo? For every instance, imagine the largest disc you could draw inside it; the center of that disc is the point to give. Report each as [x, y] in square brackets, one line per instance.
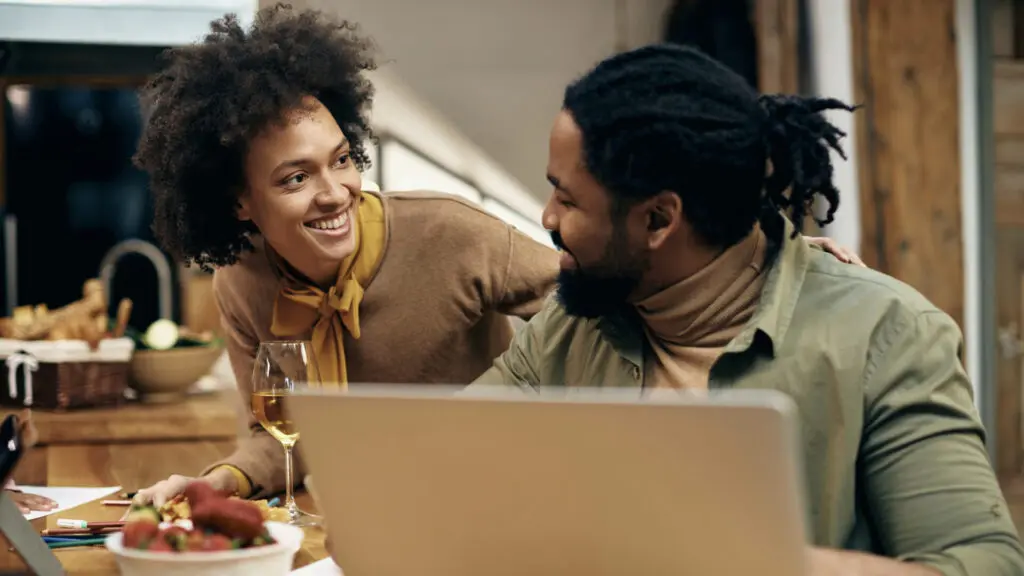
[690, 322]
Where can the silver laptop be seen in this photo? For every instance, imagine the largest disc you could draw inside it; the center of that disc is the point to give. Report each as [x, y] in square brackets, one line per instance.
[436, 482]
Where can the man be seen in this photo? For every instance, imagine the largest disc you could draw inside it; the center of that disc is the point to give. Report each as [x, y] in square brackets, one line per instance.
[678, 271]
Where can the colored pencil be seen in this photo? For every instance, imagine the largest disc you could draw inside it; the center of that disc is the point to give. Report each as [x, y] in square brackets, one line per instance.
[77, 543]
[68, 536]
[79, 531]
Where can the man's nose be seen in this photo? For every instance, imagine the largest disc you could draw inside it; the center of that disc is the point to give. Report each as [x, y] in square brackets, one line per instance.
[548, 218]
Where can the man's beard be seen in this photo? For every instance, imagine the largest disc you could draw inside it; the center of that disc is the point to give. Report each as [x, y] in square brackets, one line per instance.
[602, 289]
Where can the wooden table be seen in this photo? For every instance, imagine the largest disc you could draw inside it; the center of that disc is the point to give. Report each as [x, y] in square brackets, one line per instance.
[133, 447]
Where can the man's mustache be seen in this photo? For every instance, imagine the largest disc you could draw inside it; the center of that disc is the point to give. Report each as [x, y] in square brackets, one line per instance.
[556, 239]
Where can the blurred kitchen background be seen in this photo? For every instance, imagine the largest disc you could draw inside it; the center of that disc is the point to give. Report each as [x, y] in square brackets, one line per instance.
[933, 190]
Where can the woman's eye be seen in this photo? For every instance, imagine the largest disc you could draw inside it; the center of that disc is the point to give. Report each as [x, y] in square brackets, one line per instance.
[296, 180]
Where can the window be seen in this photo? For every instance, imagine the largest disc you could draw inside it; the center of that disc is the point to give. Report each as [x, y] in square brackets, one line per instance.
[404, 169]
[398, 167]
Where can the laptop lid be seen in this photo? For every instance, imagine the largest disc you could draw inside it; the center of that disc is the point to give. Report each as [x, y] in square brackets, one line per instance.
[433, 482]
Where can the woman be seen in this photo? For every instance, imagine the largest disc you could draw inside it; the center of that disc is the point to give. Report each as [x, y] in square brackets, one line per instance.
[254, 147]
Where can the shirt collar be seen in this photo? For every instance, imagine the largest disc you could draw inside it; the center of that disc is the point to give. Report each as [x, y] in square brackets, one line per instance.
[787, 262]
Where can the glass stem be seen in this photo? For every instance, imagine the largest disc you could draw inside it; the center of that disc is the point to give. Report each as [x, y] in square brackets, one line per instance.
[289, 495]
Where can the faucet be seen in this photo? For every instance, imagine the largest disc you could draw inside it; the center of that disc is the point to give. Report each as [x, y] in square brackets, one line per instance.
[143, 248]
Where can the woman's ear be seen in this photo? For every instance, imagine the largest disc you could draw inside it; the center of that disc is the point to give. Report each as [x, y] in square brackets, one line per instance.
[242, 210]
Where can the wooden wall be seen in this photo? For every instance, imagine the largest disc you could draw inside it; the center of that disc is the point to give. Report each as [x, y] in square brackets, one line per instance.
[777, 25]
[1008, 124]
[908, 144]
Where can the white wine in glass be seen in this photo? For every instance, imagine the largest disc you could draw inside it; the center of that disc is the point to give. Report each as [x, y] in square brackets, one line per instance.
[281, 368]
[268, 408]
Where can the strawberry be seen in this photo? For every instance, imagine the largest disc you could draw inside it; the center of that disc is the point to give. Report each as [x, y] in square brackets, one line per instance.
[139, 533]
[233, 518]
[194, 541]
[175, 536]
[198, 492]
[217, 543]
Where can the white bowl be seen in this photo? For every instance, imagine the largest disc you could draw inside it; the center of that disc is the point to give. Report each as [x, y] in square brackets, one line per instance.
[272, 560]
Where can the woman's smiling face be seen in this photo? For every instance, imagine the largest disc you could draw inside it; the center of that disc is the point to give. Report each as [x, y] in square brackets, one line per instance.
[302, 189]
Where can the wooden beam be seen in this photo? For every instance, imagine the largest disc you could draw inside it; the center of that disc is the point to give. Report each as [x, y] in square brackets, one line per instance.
[1009, 293]
[1003, 14]
[905, 74]
[777, 27]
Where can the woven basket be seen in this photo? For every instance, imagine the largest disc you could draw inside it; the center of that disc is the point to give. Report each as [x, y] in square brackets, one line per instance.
[65, 374]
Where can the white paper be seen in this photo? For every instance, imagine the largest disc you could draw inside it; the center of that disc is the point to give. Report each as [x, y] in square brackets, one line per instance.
[325, 567]
[65, 497]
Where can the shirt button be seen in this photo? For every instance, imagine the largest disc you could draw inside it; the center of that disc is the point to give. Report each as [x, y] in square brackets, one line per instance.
[636, 372]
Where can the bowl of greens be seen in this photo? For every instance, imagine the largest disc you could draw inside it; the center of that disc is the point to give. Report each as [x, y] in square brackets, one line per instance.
[169, 359]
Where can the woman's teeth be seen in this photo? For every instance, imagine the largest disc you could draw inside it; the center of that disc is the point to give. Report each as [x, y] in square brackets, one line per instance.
[332, 224]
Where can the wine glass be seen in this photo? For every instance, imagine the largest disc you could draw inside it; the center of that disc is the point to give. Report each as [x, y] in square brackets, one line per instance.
[281, 368]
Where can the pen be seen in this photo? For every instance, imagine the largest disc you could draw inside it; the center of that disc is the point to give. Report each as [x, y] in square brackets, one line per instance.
[117, 502]
[274, 502]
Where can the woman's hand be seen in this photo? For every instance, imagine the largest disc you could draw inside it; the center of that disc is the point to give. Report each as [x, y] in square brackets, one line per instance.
[158, 494]
[832, 247]
[30, 502]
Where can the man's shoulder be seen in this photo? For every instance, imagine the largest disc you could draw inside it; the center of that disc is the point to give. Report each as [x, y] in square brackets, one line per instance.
[844, 294]
[556, 327]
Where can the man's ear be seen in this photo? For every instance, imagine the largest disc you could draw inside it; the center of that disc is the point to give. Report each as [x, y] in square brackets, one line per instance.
[664, 216]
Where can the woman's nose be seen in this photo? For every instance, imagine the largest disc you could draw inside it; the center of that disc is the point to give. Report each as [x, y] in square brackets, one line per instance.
[333, 193]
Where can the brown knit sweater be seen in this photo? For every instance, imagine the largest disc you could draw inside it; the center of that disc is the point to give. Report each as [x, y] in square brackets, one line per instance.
[434, 312]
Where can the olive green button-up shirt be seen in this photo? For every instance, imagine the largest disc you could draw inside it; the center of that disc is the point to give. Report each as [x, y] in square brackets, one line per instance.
[893, 446]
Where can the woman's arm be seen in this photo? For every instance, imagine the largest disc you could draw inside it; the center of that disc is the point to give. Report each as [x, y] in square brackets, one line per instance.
[529, 274]
[257, 465]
